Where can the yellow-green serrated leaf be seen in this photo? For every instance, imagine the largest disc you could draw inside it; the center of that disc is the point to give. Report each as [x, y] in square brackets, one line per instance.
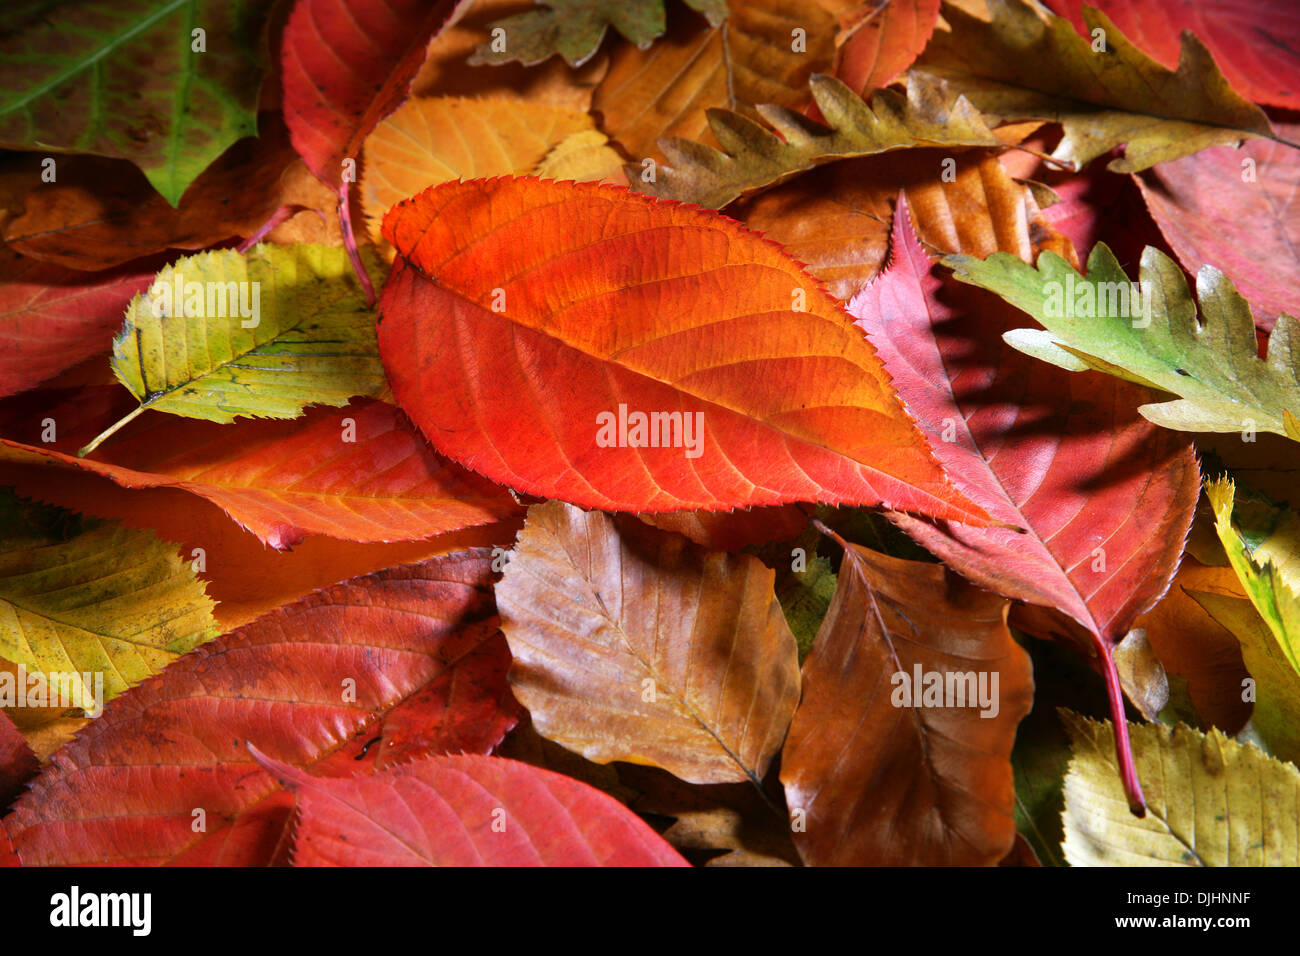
[753, 158]
[1210, 800]
[1102, 89]
[1276, 691]
[92, 606]
[1148, 333]
[1262, 542]
[261, 334]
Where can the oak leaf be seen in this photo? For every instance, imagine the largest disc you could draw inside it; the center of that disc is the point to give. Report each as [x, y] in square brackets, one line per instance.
[1150, 334]
[753, 157]
[575, 28]
[1266, 72]
[1105, 92]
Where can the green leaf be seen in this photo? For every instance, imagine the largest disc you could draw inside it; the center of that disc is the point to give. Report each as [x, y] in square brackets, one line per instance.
[81, 598]
[310, 340]
[1102, 89]
[574, 29]
[753, 158]
[121, 78]
[805, 596]
[1262, 542]
[1210, 800]
[1152, 337]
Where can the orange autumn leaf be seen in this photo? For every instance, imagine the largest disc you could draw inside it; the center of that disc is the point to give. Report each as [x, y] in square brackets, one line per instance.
[531, 329]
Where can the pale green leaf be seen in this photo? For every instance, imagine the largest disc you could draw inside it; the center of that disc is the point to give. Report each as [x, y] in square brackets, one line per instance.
[1151, 335]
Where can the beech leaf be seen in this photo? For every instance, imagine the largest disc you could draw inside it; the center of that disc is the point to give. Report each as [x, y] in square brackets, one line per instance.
[528, 327]
[1210, 800]
[878, 769]
[1102, 498]
[633, 644]
[1026, 66]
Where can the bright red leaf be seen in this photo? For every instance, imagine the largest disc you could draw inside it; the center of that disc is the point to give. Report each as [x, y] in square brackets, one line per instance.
[51, 318]
[1104, 498]
[313, 684]
[1254, 44]
[464, 811]
[346, 64]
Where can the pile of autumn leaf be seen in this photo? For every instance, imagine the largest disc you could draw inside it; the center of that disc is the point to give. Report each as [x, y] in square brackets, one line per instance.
[362, 585]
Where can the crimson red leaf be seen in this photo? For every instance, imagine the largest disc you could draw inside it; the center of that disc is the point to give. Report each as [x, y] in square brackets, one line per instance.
[1104, 497]
[347, 64]
[51, 318]
[17, 762]
[464, 811]
[359, 473]
[1252, 43]
[527, 323]
[1236, 209]
[312, 684]
[7, 855]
